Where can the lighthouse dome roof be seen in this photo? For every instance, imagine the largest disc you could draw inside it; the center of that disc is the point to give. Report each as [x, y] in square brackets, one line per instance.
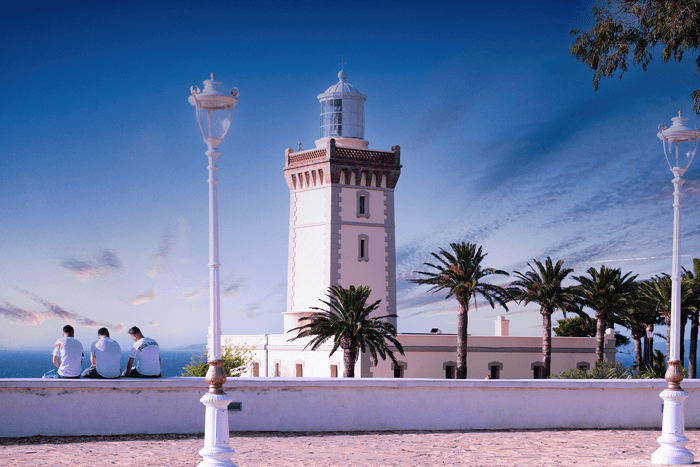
[342, 87]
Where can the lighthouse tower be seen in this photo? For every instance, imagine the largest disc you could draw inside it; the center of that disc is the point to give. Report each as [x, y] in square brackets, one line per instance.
[341, 216]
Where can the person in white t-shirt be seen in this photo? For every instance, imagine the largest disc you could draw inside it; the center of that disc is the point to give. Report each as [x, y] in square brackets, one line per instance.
[146, 352]
[67, 356]
[105, 355]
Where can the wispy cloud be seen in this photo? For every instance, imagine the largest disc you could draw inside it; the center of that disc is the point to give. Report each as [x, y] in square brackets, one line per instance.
[147, 296]
[51, 310]
[23, 316]
[195, 293]
[152, 323]
[235, 286]
[168, 244]
[102, 264]
[254, 310]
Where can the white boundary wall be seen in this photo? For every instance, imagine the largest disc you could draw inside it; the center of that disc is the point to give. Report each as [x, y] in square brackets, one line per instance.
[171, 405]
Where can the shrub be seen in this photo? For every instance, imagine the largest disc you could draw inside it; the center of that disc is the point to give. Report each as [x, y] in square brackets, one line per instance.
[658, 367]
[237, 359]
[601, 370]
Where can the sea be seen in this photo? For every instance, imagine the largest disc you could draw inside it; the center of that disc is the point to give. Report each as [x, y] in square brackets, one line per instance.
[34, 363]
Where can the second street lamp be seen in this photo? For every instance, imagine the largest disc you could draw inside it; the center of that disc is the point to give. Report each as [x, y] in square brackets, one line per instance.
[680, 144]
[214, 109]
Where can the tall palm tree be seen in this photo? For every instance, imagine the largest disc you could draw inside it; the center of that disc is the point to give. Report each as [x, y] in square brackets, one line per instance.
[655, 295]
[461, 273]
[347, 322]
[604, 292]
[544, 287]
[636, 319]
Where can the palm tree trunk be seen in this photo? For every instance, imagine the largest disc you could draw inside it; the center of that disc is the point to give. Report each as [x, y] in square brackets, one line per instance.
[600, 335]
[638, 356]
[349, 359]
[693, 350]
[650, 358]
[637, 334]
[645, 352]
[546, 341]
[684, 318]
[462, 326]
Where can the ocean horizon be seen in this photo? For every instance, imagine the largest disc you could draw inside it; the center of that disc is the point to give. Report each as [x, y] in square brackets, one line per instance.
[16, 363]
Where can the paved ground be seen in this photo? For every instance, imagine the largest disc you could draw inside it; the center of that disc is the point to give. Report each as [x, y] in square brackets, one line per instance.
[414, 448]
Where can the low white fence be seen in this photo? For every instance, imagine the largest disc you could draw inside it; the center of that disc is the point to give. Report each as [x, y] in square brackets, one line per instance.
[171, 405]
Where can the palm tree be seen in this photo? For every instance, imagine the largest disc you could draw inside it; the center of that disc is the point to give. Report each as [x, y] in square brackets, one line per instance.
[636, 319]
[348, 323]
[655, 295]
[544, 287]
[604, 292]
[461, 273]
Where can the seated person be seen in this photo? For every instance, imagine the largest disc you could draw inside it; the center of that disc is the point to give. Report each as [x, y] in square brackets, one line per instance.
[147, 354]
[70, 351]
[105, 355]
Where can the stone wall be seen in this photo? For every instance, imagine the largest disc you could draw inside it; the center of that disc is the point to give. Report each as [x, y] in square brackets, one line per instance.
[171, 405]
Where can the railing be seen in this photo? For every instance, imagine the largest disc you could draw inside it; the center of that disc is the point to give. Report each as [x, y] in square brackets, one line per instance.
[307, 156]
[383, 157]
[365, 155]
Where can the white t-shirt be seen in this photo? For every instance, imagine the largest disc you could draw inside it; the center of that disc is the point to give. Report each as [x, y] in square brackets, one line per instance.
[107, 354]
[70, 352]
[147, 355]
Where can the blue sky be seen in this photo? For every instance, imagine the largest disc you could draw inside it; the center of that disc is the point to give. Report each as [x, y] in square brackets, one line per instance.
[103, 219]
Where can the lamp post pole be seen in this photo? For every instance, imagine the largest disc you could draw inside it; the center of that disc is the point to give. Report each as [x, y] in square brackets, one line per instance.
[214, 110]
[673, 440]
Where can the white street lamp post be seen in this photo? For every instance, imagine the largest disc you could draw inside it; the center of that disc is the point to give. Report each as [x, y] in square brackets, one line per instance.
[214, 109]
[680, 143]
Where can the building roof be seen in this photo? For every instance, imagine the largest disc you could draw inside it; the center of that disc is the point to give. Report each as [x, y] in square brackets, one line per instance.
[341, 87]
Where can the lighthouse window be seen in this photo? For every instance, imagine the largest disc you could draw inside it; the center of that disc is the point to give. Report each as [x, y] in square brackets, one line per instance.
[332, 118]
[362, 246]
[363, 203]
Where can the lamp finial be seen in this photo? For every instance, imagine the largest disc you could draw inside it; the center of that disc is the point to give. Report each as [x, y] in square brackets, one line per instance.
[212, 76]
[679, 113]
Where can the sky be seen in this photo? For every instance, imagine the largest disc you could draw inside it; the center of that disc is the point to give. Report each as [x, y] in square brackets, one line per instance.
[103, 178]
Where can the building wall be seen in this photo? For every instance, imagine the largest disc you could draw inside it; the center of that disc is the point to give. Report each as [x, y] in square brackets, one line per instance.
[310, 268]
[427, 355]
[30, 407]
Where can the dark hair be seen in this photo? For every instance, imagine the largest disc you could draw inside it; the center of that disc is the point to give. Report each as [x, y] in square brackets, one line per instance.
[103, 332]
[134, 330]
[68, 329]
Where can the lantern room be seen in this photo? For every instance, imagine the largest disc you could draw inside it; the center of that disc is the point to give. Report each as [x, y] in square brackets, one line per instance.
[342, 115]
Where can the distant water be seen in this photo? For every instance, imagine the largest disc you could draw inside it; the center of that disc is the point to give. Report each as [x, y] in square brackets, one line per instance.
[626, 354]
[34, 363]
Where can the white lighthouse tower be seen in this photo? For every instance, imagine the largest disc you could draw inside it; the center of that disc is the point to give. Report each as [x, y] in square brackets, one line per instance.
[341, 217]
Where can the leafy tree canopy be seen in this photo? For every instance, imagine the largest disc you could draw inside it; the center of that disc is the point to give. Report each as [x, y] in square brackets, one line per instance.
[237, 359]
[577, 326]
[632, 29]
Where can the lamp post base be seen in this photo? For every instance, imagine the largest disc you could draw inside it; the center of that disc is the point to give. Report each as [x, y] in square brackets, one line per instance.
[673, 440]
[216, 451]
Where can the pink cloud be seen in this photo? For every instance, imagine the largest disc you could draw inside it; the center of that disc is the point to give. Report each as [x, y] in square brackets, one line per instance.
[147, 296]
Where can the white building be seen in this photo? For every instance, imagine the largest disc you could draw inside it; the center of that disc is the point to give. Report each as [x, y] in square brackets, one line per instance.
[341, 232]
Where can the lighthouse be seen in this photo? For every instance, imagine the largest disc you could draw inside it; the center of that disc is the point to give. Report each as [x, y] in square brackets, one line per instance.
[341, 210]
